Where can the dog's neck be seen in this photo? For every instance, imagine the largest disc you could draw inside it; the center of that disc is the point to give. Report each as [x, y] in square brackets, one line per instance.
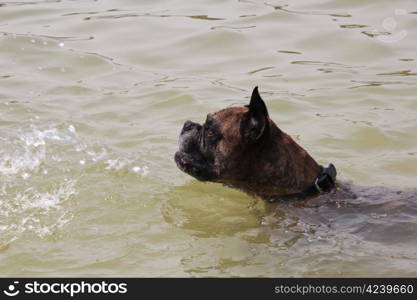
[285, 167]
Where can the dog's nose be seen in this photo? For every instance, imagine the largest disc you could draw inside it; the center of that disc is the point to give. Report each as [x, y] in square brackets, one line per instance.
[188, 125]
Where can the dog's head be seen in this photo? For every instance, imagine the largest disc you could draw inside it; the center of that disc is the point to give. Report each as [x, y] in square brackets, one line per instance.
[219, 149]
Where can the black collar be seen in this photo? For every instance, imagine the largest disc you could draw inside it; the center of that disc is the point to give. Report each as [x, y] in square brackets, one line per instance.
[324, 183]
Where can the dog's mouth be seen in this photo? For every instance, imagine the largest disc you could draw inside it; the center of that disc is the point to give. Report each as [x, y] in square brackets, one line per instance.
[181, 161]
[197, 168]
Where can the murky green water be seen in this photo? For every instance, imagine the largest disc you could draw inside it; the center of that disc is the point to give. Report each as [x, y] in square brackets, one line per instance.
[92, 98]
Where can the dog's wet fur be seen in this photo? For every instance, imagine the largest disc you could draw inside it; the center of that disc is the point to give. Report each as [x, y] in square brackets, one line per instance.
[242, 147]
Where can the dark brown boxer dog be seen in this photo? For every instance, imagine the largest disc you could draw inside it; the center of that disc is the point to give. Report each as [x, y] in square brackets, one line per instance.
[242, 147]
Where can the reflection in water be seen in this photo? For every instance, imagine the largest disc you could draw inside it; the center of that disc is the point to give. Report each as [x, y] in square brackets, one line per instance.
[260, 70]
[289, 52]
[205, 17]
[375, 33]
[282, 8]
[353, 26]
[373, 215]
[360, 216]
[232, 27]
[20, 3]
[208, 215]
[320, 63]
[399, 73]
[42, 37]
[154, 15]
[374, 83]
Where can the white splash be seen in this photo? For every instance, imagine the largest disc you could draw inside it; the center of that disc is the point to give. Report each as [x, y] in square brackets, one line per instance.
[26, 161]
[71, 129]
[136, 169]
[142, 171]
[25, 175]
[38, 137]
[36, 211]
[97, 156]
[145, 171]
[116, 164]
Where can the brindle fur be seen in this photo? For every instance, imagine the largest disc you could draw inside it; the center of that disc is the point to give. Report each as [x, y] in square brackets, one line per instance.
[246, 150]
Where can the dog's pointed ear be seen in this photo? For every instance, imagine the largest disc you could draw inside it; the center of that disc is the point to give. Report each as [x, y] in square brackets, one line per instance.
[257, 105]
[257, 118]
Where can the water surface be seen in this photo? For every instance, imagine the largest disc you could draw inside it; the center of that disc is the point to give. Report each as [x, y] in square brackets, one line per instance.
[92, 98]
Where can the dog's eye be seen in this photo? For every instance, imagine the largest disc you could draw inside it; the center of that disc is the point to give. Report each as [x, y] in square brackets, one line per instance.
[210, 132]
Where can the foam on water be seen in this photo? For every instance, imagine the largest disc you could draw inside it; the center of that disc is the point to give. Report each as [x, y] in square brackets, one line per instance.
[27, 205]
[14, 164]
[39, 212]
[26, 153]
[126, 164]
